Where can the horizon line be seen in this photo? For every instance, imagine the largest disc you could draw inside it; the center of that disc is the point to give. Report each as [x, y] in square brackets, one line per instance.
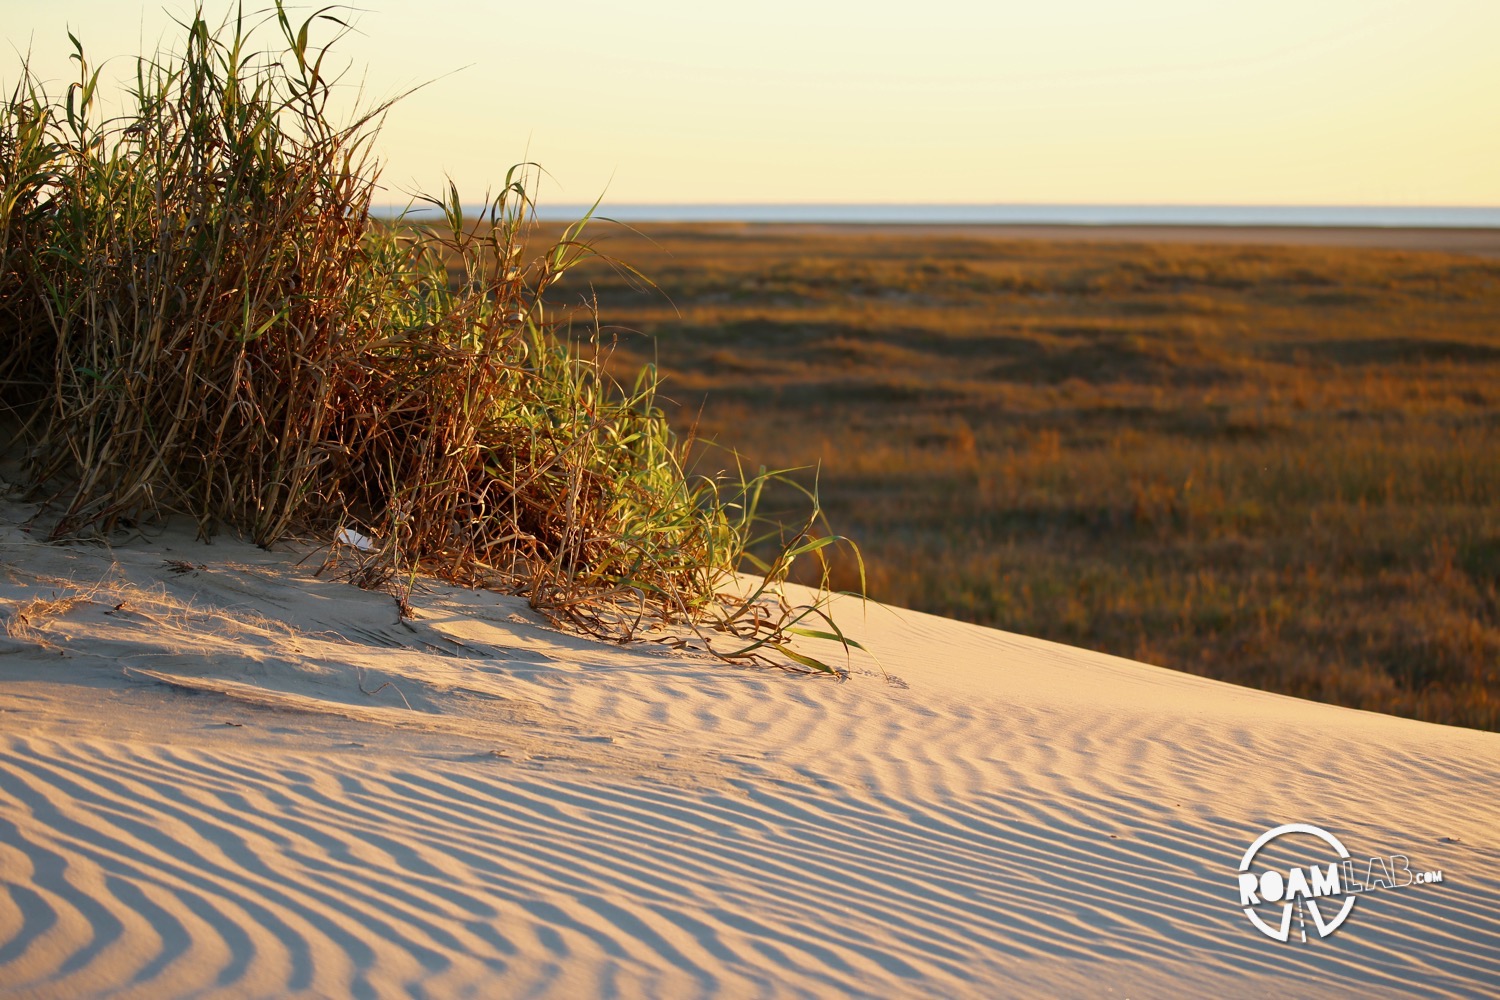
[1002, 213]
[1397, 206]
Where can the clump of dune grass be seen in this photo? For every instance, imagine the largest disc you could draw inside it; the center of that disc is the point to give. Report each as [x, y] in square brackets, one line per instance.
[198, 314]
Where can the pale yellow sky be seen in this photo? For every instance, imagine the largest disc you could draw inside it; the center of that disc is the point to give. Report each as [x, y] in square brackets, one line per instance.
[1093, 101]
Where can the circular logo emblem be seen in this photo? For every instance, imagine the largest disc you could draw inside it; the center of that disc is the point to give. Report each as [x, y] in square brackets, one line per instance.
[1308, 890]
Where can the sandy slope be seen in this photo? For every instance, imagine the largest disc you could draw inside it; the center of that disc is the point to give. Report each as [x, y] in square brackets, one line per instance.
[198, 796]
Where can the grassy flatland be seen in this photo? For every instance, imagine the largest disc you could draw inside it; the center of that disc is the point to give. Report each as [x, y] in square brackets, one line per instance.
[1279, 466]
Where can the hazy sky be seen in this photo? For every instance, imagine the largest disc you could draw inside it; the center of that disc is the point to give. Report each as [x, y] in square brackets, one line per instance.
[1135, 101]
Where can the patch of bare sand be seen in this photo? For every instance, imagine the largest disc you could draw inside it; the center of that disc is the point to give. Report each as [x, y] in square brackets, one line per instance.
[221, 776]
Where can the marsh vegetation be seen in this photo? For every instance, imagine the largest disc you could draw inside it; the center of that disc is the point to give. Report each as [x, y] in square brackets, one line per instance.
[1279, 466]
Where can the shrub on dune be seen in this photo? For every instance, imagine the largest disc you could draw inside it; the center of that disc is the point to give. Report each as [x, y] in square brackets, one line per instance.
[198, 314]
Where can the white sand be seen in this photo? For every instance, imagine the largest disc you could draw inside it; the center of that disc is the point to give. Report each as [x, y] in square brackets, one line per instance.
[197, 798]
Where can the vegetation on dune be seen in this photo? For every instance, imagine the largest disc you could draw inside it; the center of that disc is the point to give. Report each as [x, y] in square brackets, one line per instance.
[1278, 466]
[198, 314]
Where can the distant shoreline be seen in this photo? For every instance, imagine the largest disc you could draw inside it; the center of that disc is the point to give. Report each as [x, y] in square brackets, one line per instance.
[1479, 238]
[1254, 216]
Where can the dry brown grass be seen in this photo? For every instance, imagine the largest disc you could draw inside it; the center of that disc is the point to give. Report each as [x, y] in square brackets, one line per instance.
[199, 315]
[28, 621]
[1277, 466]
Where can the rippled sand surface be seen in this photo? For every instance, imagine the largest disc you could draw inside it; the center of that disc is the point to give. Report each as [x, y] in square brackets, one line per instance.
[220, 776]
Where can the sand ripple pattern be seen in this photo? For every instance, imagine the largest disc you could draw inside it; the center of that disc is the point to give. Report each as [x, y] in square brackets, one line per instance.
[156, 872]
[525, 814]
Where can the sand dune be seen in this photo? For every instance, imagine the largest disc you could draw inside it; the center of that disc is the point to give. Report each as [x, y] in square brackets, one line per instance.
[225, 777]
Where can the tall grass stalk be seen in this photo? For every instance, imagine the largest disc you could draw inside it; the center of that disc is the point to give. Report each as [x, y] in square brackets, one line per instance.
[198, 314]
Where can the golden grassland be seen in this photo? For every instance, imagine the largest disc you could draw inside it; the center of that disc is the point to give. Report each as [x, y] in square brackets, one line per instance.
[1279, 466]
